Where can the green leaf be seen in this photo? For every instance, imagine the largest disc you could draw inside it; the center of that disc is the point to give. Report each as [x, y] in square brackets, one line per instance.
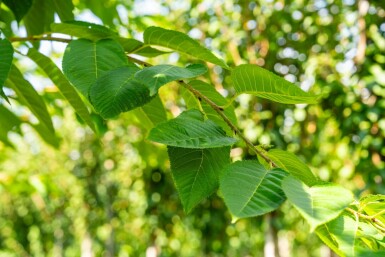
[86, 30]
[180, 42]
[6, 56]
[250, 190]
[84, 61]
[148, 51]
[18, 7]
[292, 164]
[30, 98]
[209, 91]
[68, 91]
[155, 111]
[195, 172]
[39, 16]
[317, 204]
[156, 76]
[64, 9]
[118, 91]
[9, 122]
[252, 79]
[189, 130]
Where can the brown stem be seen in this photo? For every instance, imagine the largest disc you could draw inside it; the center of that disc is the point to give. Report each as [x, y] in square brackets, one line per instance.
[40, 38]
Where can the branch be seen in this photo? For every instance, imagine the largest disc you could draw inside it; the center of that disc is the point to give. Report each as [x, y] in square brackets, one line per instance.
[372, 219]
[39, 38]
[257, 150]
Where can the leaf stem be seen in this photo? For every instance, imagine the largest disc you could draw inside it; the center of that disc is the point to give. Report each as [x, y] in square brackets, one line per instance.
[218, 109]
[372, 219]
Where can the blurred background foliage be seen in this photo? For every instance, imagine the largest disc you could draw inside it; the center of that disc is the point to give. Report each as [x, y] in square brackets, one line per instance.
[113, 195]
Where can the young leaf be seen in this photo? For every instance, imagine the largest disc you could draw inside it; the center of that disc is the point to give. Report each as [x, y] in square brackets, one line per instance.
[28, 96]
[84, 61]
[118, 91]
[156, 76]
[6, 56]
[68, 91]
[292, 164]
[189, 130]
[317, 204]
[19, 7]
[180, 42]
[252, 79]
[195, 172]
[209, 91]
[251, 190]
[340, 235]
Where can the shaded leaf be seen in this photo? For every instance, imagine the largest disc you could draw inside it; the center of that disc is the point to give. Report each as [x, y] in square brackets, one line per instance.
[118, 91]
[317, 204]
[29, 97]
[156, 76]
[6, 57]
[155, 111]
[189, 130]
[251, 190]
[96, 58]
[196, 171]
[18, 7]
[64, 9]
[180, 42]
[38, 18]
[252, 79]
[209, 91]
[9, 122]
[68, 91]
[292, 164]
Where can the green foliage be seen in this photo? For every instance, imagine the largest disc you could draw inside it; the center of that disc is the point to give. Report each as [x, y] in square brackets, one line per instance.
[97, 58]
[118, 91]
[250, 190]
[190, 130]
[180, 42]
[315, 203]
[196, 172]
[341, 138]
[251, 79]
[156, 76]
[6, 56]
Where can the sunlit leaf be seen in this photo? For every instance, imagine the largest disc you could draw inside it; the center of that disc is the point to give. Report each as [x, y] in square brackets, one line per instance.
[84, 61]
[292, 164]
[315, 203]
[196, 171]
[68, 91]
[156, 76]
[118, 91]
[86, 30]
[189, 130]
[6, 56]
[252, 79]
[251, 190]
[180, 42]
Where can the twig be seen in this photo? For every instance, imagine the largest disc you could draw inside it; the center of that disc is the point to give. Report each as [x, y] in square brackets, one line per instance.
[372, 219]
[39, 38]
